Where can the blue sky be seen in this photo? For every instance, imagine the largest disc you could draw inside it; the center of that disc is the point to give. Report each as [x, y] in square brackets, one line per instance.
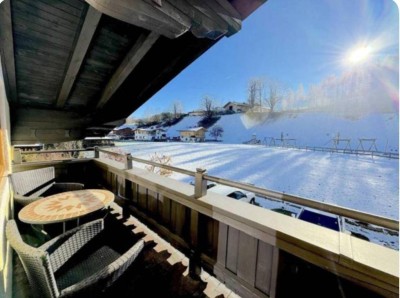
[294, 42]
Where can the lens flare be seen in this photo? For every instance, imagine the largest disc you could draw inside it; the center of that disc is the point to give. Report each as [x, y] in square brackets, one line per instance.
[359, 55]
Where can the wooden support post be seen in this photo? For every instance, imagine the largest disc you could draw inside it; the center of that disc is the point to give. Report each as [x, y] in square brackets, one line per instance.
[200, 187]
[194, 262]
[200, 190]
[96, 152]
[128, 162]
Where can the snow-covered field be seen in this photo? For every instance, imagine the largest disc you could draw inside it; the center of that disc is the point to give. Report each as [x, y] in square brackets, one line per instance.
[314, 129]
[363, 183]
[358, 182]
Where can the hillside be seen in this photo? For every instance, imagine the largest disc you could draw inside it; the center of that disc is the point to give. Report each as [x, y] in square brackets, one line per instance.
[306, 128]
[185, 123]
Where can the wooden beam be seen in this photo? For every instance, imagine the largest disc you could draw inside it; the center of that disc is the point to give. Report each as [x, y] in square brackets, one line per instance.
[172, 18]
[88, 29]
[163, 20]
[7, 50]
[132, 59]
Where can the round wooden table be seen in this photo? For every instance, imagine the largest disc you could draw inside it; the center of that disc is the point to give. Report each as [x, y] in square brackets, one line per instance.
[65, 206]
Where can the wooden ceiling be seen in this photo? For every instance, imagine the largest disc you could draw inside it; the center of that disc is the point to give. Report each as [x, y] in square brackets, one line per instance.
[74, 68]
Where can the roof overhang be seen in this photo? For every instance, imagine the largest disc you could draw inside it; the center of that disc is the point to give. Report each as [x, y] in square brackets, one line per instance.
[75, 69]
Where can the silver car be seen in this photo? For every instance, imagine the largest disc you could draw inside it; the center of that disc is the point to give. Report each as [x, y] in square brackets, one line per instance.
[235, 193]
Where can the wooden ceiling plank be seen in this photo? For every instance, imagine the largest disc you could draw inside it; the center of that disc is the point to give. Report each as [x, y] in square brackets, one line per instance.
[132, 59]
[7, 50]
[31, 11]
[88, 29]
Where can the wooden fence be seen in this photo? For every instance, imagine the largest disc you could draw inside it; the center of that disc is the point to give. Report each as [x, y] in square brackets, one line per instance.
[254, 251]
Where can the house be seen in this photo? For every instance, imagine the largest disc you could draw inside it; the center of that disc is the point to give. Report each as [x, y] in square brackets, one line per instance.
[160, 134]
[150, 134]
[144, 134]
[237, 107]
[124, 133]
[197, 134]
[196, 113]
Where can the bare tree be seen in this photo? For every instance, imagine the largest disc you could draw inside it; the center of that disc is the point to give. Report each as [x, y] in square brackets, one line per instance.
[252, 93]
[275, 94]
[177, 109]
[208, 106]
[256, 90]
[163, 160]
[155, 118]
[216, 131]
[166, 116]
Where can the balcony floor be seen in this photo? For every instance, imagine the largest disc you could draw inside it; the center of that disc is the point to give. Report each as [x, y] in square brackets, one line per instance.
[159, 271]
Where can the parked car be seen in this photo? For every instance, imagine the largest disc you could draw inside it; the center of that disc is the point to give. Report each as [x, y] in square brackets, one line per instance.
[321, 218]
[232, 192]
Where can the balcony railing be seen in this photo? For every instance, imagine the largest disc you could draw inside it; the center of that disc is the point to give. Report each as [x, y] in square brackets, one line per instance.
[255, 251]
[200, 185]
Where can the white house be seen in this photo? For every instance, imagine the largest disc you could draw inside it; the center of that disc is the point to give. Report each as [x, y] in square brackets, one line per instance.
[150, 134]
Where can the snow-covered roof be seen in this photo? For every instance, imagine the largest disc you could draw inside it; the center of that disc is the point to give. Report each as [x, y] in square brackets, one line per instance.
[131, 126]
[150, 129]
[243, 104]
[193, 129]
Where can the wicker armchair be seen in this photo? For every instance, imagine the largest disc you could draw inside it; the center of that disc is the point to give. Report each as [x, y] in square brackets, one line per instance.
[31, 185]
[74, 262]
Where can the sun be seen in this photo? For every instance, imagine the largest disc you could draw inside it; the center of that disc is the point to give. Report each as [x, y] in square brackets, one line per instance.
[359, 55]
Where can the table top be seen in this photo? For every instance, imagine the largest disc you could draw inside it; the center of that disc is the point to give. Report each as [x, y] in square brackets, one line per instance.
[65, 206]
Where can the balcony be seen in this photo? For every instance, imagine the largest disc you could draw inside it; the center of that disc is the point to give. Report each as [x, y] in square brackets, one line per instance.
[238, 248]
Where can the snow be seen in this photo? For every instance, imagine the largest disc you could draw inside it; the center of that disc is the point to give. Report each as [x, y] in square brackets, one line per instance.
[362, 183]
[313, 129]
[369, 184]
[366, 183]
[186, 123]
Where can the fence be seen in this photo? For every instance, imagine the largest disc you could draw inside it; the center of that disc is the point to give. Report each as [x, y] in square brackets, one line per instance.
[201, 178]
[253, 250]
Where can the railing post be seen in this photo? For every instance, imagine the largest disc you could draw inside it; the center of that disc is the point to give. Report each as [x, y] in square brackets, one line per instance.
[200, 190]
[200, 186]
[96, 152]
[128, 162]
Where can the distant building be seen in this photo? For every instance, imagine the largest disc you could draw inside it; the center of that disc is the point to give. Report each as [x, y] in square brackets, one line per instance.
[196, 113]
[236, 107]
[197, 134]
[124, 133]
[150, 134]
